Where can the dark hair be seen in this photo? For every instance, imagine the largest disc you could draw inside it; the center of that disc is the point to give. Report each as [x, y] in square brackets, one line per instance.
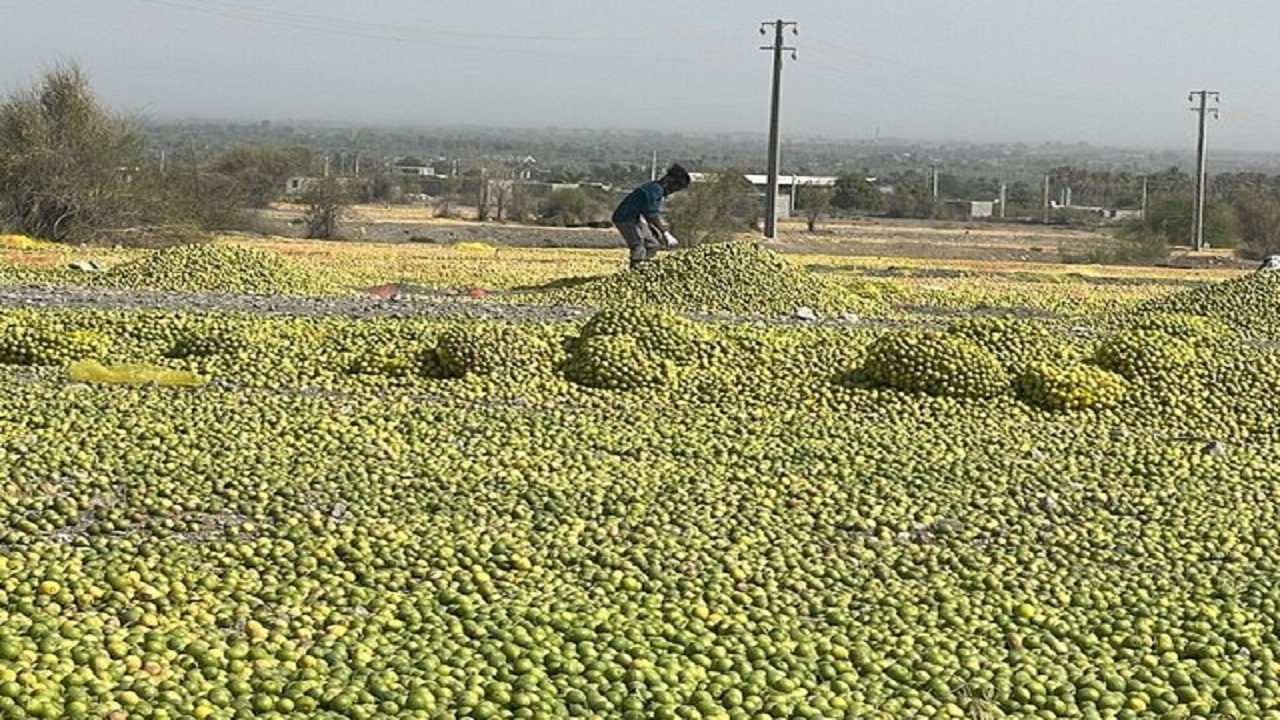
[678, 174]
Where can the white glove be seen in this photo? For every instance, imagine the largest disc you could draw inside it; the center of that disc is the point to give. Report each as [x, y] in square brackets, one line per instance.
[671, 239]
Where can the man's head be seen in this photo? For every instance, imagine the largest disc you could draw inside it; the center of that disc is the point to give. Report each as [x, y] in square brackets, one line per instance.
[676, 179]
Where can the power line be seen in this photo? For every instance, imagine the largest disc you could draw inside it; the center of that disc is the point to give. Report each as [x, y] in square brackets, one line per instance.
[303, 20]
[1258, 118]
[937, 77]
[871, 78]
[407, 35]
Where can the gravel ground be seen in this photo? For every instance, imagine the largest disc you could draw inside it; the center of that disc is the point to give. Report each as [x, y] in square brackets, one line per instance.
[419, 304]
[447, 233]
[427, 305]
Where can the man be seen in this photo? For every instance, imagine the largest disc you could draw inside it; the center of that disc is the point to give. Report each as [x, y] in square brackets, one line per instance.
[639, 215]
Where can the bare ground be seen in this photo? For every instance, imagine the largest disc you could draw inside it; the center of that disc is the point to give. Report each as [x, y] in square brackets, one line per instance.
[983, 241]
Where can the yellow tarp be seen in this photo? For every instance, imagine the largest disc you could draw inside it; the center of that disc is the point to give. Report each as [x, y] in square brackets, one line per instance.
[93, 371]
[475, 248]
[22, 242]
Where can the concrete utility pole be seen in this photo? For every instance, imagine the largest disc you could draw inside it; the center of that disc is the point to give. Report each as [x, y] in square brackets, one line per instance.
[653, 167]
[933, 173]
[1142, 214]
[1046, 199]
[1197, 210]
[771, 195]
[1004, 196]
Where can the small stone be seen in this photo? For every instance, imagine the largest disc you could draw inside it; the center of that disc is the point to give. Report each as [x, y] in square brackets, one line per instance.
[1214, 448]
[806, 313]
[947, 525]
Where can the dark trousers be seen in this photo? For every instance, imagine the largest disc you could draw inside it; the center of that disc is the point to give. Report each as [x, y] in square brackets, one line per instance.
[641, 239]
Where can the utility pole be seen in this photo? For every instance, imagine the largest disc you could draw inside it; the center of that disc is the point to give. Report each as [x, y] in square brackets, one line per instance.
[933, 174]
[1197, 211]
[1046, 199]
[1004, 197]
[771, 195]
[195, 164]
[653, 167]
[1142, 214]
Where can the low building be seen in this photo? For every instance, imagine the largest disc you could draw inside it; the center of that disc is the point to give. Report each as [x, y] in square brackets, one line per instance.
[1120, 214]
[298, 184]
[788, 187]
[970, 208]
[414, 170]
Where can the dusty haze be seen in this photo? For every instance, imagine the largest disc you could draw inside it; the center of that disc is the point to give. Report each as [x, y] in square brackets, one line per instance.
[1091, 71]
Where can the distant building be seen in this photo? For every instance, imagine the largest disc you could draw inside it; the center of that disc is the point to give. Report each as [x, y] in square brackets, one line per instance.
[970, 208]
[414, 170]
[1120, 215]
[525, 167]
[788, 187]
[298, 184]
[1106, 213]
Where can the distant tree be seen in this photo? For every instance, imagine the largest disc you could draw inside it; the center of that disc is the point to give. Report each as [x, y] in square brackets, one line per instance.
[519, 202]
[856, 193]
[480, 185]
[1022, 196]
[911, 200]
[1239, 184]
[572, 206]
[1257, 221]
[814, 201]
[1070, 181]
[260, 173]
[383, 187]
[1169, 218]
[497, 198]
[450, 188]
[72, 171]
[1133, 244]
[619, 173]
[1170, 181]
[714, 209]
[327, 200]
[67, 166]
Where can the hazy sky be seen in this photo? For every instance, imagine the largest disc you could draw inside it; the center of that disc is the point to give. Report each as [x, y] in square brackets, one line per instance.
[1106, 72]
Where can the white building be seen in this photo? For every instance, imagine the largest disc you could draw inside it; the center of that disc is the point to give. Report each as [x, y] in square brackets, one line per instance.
[788, 187]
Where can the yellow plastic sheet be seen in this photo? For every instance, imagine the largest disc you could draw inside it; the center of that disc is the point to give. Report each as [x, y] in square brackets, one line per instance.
[475, 248]
[22, 242]
[92, 371]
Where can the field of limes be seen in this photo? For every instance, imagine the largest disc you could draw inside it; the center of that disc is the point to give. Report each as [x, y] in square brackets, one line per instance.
[986, 493]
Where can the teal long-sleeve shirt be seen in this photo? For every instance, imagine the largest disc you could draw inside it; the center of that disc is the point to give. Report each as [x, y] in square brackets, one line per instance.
[645, 200]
